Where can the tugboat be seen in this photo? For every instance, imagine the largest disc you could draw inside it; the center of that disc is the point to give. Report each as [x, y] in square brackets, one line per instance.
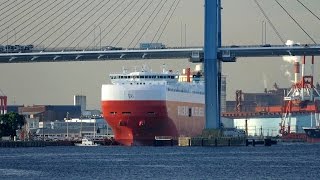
[86, 142]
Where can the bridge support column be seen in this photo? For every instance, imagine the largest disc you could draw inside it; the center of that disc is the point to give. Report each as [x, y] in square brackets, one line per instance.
[211, 65]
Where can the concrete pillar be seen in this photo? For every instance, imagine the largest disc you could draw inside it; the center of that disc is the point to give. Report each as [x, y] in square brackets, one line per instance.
[212, 106]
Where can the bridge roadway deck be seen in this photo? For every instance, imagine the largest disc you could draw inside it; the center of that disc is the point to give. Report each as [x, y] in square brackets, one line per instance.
[194, 54]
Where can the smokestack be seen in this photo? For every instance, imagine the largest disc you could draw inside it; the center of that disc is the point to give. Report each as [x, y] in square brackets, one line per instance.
[1, 105]
[5, 105]
[188, 74]
[296, 71]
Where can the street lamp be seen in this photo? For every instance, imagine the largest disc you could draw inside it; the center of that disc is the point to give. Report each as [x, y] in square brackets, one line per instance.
[15, 37]
[100, 35]
[94, 37]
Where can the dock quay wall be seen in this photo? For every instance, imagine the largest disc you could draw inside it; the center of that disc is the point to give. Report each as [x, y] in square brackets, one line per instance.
[219, 141]
[17, 144]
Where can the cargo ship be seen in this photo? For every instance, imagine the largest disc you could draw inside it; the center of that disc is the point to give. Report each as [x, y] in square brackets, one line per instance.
[142, 105]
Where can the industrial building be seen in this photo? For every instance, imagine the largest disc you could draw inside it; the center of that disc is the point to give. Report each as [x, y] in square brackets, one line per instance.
[48, 113]
[80, 100]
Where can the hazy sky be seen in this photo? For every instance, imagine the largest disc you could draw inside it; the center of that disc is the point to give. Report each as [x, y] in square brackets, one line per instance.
[56, 83]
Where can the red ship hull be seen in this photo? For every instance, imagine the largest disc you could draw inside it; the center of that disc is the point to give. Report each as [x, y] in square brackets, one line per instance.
[139, 122]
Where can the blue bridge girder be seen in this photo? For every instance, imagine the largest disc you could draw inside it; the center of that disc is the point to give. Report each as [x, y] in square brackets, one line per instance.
[195, 54]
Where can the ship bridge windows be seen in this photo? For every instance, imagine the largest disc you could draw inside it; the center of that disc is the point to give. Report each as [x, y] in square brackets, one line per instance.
[143, 77]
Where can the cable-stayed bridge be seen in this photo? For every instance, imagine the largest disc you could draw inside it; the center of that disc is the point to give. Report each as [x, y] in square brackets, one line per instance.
[84, 29]
[194, 54]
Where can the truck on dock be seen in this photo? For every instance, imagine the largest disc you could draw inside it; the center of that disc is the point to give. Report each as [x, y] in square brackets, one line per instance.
[152, 46]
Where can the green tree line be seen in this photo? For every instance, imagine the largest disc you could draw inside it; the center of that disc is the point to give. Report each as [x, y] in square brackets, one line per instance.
[10, 122]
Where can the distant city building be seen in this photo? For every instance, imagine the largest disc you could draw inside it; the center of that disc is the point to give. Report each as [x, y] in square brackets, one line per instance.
[80, 100]
[14, 108]
[73, 129]
[91, 113]
[48, 113]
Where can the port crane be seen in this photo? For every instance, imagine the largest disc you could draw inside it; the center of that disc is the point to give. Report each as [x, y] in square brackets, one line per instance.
[303, 97]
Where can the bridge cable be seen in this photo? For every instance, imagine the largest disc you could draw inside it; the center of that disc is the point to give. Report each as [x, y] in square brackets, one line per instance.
[121, 17]
[150, 2]
[122, 11]
[23, 28]
[49, 20]
[153, 11]
[269, 21]
[5, 5]
[30, 10]
[11, 16]
[296, 22]
[154, 17]
[107, 2]
[16, 15]
[84, 37]
[7, 10]
[59, 28]
[31, 22]
[65, 23]
[309, 10]
[82, 23]
[127, 24]
[155, 35]
[169, 19]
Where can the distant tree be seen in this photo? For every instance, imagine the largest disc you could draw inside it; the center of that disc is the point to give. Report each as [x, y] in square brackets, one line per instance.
[10, 122]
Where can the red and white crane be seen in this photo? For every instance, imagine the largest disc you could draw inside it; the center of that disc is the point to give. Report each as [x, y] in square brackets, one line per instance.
[303, 97]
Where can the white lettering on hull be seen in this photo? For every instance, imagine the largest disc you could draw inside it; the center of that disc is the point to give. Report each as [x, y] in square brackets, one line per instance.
[195, 111]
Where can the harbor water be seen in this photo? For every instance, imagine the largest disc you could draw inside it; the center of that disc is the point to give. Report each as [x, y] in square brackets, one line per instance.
[282, 161]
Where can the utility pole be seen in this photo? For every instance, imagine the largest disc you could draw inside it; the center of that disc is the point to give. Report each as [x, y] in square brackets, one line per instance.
[100, 35]
[185, 35]
[181, 34]
[94, 128]
[81, 126]
[67, 125]
[94, 37]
